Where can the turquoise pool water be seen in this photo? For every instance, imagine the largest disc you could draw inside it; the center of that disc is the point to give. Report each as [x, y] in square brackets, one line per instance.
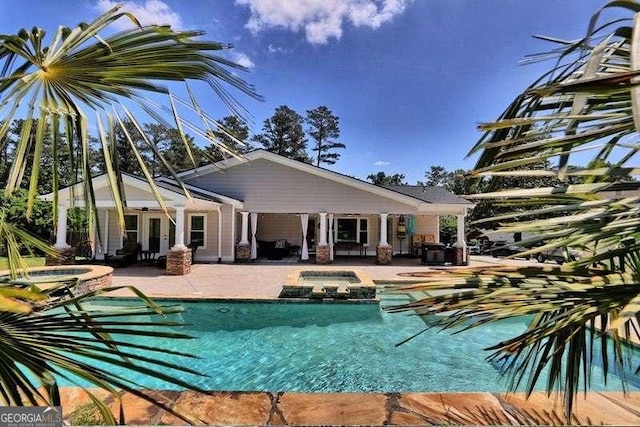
[315, 347]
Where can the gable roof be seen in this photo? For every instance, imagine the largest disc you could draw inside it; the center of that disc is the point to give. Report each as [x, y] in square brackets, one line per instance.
[438, 196]
[429, 194]
[169, 192]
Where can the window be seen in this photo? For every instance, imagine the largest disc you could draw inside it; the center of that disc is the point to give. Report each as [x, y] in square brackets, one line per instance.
[355, 230]
[363, 234]
[198, 229]
[131, 228]
[347, 230]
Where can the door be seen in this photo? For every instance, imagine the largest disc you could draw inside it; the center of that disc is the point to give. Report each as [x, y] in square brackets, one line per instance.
[156, 234]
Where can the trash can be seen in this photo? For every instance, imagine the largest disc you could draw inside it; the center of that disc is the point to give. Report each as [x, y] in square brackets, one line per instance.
[433, 253]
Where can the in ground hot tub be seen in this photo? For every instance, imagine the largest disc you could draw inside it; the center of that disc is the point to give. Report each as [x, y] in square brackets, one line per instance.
[332, 284]
[90, 276]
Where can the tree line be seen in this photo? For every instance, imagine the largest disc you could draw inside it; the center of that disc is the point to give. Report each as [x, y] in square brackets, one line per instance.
[282, 134]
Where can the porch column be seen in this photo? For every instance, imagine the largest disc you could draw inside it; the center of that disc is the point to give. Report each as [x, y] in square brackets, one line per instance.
[322, 249]
[243, 251]
[323, 229]
[65, 255]
[304, 222]
[244, 237]
[61, 228]
[384, 251]
[179, 228]
[179, 256]
[331, 254]
[461, 257]
[383, 230]
[254, 229]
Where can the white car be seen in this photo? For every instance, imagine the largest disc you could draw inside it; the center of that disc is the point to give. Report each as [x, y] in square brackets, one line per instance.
[559, 255]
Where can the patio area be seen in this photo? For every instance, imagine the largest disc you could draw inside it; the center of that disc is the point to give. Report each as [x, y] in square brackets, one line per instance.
[260, 281]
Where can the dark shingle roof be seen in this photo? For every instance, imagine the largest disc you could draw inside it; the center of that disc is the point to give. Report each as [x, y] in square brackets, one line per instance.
[429, 194]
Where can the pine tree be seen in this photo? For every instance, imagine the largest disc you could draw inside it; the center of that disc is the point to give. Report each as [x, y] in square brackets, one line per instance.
[324, 130]
[231, 132]
[283, 135]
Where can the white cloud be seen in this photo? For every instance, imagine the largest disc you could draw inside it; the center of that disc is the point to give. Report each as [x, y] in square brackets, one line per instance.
[242, 59]
[275, 49]
[320, 19]
[148, 12]
[381, 163]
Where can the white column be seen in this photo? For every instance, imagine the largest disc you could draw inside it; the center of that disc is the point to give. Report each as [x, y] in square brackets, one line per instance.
[233, 232]
[61, 229]
[460, 242]
[179, 228]
[304, 222]
[331, 254]
[323, 229]
[244, 237]
[105, 234]
[219, 234]
[383, 230]
[254, 229]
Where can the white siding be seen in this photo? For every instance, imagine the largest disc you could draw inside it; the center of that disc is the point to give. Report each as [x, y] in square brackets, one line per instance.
[115, 234]
[228, 240]
[269, 187]
[210, 253]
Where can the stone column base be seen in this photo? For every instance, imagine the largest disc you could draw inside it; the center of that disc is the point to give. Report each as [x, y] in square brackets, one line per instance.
[459, 257]
[179, 262]
[65, 256]
[243, 253]
[383, 255]
[322, 255]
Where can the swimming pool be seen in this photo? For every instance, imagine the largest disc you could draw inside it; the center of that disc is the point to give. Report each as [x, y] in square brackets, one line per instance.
[329, 347]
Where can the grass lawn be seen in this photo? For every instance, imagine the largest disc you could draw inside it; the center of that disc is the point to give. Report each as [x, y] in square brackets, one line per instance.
[31, 262]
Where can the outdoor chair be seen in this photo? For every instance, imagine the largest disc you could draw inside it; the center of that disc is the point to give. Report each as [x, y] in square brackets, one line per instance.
[126, 256]
[194, 245]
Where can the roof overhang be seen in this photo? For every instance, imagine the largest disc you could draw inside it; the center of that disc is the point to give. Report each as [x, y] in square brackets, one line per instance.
[444, 209]
[74, 196]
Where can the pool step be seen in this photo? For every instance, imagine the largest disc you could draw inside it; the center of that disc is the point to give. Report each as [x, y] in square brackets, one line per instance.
[318, 291]
[343, 290]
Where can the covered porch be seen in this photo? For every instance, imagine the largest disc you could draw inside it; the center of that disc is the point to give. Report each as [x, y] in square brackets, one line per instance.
[163, 233]
[323, 236]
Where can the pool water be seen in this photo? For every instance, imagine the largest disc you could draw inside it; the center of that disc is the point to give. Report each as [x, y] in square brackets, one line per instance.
[324, 347]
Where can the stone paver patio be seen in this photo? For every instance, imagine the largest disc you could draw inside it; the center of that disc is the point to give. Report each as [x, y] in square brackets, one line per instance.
[282, 408]
[257, 281]
[267, 408]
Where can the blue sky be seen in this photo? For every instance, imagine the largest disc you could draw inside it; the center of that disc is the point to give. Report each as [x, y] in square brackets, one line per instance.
[409, 79]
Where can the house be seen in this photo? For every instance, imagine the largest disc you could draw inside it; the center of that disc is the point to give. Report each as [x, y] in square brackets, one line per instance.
[236, 204]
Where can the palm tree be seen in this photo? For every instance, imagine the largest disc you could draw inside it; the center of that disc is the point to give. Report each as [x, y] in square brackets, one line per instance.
[114, 78]
[585, 109]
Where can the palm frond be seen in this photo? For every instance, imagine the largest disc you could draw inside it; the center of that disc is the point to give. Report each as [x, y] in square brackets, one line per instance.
[579, 121]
